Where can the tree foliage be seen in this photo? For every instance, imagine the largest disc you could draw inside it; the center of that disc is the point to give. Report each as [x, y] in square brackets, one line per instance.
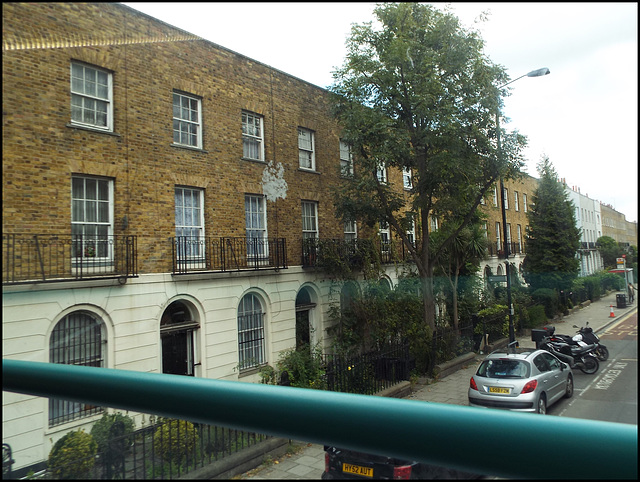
[554, 238]
[609, 250]
[419, 94]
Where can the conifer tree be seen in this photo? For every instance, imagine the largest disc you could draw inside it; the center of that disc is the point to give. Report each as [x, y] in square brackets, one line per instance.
[553, 238]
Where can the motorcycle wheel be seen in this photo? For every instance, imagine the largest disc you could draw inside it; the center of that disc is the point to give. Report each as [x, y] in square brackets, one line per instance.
[589, 365]
[602, 353]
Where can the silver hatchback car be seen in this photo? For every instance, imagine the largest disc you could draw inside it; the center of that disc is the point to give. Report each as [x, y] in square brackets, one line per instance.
[525, 381]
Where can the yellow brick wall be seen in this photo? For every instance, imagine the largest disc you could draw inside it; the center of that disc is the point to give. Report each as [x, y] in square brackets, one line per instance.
[150, 59]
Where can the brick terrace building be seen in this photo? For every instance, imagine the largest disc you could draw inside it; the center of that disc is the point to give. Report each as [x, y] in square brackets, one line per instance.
[158, 190]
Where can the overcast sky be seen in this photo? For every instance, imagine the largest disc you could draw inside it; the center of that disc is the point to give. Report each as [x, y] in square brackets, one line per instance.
[583, 116]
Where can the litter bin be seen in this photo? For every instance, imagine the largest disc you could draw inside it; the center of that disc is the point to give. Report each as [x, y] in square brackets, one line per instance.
[621, 300]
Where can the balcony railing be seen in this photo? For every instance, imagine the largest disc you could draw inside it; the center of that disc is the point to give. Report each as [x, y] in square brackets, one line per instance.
[194, 254]
[405, 429]
[317, 252]
[29, 258]
[497, 249]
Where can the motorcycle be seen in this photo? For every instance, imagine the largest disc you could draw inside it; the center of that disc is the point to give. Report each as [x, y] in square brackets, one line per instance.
[582, 357]
[584, 336]
[589, 337]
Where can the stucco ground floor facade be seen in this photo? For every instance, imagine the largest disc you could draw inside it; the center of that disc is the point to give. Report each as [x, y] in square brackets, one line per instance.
[135, 332]
[134, 328]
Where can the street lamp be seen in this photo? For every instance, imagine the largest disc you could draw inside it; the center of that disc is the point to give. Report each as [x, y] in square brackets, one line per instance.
[512, 335]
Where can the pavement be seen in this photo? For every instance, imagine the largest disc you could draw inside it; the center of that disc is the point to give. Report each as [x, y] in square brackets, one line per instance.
[307, 460]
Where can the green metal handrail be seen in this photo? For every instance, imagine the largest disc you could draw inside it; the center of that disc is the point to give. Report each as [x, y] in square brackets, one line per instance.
[482, 441]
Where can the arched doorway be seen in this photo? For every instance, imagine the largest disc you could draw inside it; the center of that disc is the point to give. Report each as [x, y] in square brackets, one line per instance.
[304, 305]
[177, 327]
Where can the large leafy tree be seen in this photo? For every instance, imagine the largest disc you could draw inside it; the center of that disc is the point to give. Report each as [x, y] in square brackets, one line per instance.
[554, 238]
[416, 92]
[609, 250]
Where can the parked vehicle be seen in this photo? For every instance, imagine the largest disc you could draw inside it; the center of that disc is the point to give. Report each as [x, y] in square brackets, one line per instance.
[577, 356]
[350, 464]
[529, 380]
[589, 337]
[585, 336]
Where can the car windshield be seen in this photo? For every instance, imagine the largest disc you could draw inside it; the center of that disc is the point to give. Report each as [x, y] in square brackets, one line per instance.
[504, 368]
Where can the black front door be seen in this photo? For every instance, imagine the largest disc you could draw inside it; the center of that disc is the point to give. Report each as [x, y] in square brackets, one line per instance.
[303, 336]
[176, 356]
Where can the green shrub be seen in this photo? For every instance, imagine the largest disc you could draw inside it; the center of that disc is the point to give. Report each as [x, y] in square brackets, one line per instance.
[537, 316]
[73, 456]
[175, 440]
[114, 435]
[495, 320]
[547, 298]
[304, 367]
[104, 429]
[592, 284]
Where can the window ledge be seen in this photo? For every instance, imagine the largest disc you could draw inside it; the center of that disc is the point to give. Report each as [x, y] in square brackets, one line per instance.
[248, 159]
[92, 129]
[189, 148]
[310, 171]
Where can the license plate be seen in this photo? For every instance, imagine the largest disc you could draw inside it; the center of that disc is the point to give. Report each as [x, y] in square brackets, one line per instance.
[358, 470]
[499, 390]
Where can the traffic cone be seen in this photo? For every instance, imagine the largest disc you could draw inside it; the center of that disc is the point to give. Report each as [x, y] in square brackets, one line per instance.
[611, 315]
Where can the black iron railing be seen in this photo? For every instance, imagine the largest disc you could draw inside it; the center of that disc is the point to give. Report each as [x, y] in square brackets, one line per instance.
[54, 257]
[370, 372]
[168, 449]
[193, 253]
[497, 249]
[320, 252]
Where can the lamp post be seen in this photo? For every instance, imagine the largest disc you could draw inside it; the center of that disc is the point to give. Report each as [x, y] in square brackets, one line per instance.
[512, 335]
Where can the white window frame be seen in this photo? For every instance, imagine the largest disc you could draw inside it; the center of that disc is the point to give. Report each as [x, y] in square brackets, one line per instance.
[381, 173]
[519, 233]
[187, 115]
[92, 219]
[411, 233]
[251, 332]
[385, 236]
[346, 159]
[252, 136]
[434, 223]
[498, 237]
[189, 221]
[505, 198]
[407, 181]
[524, 202]
[309, 220]
[516, 203]
[495, 196]
[87, 96]
[350, 231]
[255, 211]
[306, 149]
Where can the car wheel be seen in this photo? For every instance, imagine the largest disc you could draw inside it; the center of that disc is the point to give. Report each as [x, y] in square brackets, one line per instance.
[569, 388]
[542, 405]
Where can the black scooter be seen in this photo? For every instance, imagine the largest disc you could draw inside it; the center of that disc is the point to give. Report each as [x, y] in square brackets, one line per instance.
[576, 356]
[585, 335]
